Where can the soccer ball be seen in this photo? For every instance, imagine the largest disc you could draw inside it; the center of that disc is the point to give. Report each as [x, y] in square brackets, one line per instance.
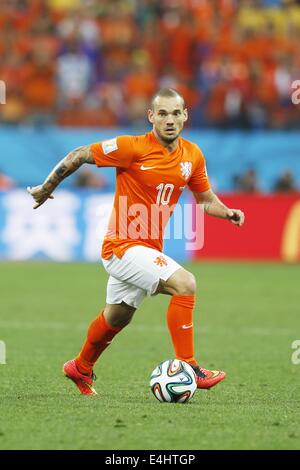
[173, 381]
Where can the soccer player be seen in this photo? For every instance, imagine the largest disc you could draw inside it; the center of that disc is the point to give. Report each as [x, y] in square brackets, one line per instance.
[151, 173]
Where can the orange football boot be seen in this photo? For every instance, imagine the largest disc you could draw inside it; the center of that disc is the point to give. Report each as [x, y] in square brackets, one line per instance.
[83, 382]
[208, 378]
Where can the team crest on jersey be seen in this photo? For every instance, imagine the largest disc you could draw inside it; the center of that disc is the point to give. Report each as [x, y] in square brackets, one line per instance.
[109, 146]
[186, 169]
[160, 261]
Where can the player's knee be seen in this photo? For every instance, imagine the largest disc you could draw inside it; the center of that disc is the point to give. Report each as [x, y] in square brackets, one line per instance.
[121, 322]
[119, 316]
[186, 284]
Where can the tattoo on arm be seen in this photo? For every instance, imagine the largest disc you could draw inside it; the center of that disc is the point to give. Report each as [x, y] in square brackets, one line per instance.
[67, 166]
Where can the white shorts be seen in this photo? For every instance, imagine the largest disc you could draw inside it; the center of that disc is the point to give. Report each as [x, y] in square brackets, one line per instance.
[136, 274]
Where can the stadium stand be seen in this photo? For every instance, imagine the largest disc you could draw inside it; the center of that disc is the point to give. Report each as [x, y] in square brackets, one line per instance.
[89, 63]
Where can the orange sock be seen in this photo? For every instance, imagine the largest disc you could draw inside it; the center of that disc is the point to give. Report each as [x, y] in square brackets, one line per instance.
[100, 335]
[180, 324]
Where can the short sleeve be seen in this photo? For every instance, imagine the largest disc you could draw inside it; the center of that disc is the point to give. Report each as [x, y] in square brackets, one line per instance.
[118, 152]
[199, 181]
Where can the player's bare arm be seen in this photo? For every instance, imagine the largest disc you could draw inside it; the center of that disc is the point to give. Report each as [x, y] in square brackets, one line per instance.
[213, 206]
[64, 168]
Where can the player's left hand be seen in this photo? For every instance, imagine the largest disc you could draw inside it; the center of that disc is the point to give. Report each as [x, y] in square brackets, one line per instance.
[236, 217]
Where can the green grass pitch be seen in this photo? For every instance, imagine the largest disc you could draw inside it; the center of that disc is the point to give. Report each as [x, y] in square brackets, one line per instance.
[247, 317]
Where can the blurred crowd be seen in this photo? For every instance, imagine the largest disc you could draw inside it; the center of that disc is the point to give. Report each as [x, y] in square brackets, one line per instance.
[248, 182]
[97, 62]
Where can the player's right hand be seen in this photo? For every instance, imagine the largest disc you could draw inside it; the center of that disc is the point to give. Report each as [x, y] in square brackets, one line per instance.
[39, 194]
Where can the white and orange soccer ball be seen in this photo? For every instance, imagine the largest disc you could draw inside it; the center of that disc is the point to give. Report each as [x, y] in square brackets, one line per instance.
[173, 381]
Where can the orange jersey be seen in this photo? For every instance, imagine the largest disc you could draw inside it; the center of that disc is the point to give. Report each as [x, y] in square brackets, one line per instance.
[149, 182]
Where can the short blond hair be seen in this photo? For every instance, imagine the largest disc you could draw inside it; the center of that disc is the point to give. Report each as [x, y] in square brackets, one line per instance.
[167, 93]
